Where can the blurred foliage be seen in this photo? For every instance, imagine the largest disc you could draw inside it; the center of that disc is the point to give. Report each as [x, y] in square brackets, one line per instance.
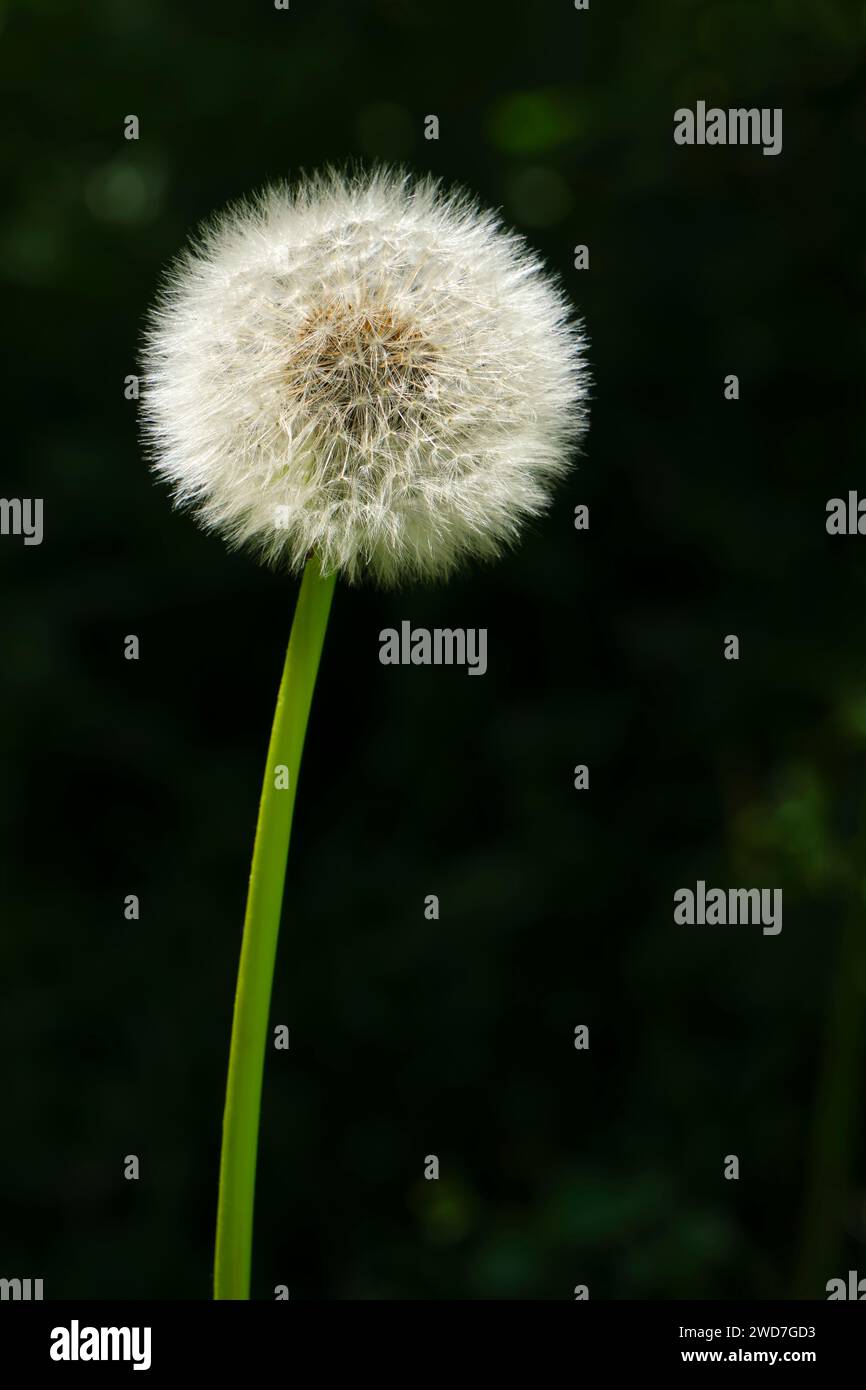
[455, 1037]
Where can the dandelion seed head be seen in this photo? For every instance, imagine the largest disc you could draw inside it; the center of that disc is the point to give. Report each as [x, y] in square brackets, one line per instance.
[365, 367]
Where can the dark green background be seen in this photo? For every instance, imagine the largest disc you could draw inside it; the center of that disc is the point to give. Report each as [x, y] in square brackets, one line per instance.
[707, 518]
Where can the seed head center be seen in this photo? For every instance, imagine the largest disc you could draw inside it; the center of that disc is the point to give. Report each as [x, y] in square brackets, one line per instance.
[362, 368]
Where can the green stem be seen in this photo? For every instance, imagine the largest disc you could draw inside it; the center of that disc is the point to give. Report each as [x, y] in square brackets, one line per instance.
[234, 1233]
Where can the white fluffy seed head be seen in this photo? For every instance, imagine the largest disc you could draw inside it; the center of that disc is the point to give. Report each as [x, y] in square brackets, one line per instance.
[364, 368]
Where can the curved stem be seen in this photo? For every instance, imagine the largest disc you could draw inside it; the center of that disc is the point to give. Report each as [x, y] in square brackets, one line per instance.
[259, 946]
